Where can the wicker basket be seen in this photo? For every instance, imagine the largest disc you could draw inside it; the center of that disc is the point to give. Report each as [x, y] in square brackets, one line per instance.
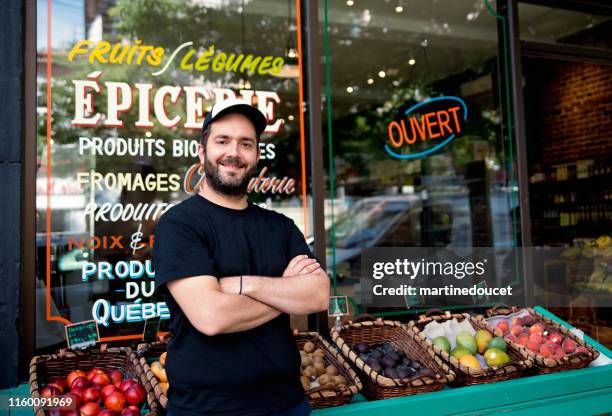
[45, 367]
[466, 375]
[375, 385]
[545, 365]
[140, 356]
[321, 397]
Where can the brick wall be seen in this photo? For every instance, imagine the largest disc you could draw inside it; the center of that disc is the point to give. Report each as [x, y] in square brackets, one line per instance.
[573, 111]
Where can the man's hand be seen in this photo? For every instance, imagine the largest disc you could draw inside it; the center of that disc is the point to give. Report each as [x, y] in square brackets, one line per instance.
[301, 264]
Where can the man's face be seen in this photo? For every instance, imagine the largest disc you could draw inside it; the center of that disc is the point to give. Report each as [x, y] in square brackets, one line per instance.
[231, 154]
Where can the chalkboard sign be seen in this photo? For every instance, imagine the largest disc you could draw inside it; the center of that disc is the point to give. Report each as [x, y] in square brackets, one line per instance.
[151, 327]
[82, 334]
[338, 306]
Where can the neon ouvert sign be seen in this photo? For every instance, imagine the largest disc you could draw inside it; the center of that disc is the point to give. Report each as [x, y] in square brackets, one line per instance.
[442, 120]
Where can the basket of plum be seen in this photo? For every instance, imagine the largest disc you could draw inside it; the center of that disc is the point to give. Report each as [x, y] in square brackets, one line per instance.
[389, 361]
[96, 382]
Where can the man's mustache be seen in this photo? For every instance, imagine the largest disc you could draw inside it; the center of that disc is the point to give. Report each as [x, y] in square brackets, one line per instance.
[233, 161]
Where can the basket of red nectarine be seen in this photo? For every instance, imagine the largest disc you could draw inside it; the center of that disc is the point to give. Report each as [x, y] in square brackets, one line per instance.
[550, 345]
[94, 382]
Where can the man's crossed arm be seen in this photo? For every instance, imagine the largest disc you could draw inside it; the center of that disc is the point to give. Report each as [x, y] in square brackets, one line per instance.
[215, 307]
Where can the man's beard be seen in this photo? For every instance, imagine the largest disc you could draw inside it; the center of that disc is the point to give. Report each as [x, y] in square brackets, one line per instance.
[233, 187]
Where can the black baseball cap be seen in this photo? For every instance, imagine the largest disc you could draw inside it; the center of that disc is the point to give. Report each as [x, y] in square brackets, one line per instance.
[236, 106]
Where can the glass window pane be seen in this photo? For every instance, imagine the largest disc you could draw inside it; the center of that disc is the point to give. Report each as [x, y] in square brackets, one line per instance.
[549, 25]
[395, 62]
[123, 88]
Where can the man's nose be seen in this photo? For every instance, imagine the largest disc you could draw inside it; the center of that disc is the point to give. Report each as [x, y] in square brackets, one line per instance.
[233, 148]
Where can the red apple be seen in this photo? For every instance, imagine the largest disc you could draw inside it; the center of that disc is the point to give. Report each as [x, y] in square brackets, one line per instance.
[92, 394]
[517, 322]
[538, 327]
[523, 339]
[135, 395]
[80, 383]
[546, 350]
[126, 384]
[107, 412]
[73, 375]
[569, 346]
[536, 337]
[108, 389]
[503, 326]
[100, 379]
[75, 400]
[60, 383]
[71, 413]
[115, 401]
[556, 337]
[533, 346]
[131, 411]
[116, 377]
[516, 330]
[50, 391]
[90, 409]
[93, 372]
[581, 350]
[78, 391]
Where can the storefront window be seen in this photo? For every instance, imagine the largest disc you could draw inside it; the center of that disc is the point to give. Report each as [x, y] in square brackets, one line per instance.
[420, 153]
[567, 27]
[122, 91]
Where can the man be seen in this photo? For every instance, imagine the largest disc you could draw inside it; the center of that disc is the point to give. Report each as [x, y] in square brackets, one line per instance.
[231, 273]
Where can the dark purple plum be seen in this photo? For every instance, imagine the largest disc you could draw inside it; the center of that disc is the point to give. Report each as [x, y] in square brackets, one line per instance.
[362, 347]
[377, 354]
[391, 373]
[387, 361]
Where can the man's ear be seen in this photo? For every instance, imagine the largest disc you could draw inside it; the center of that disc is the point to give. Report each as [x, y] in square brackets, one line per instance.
[201, 153]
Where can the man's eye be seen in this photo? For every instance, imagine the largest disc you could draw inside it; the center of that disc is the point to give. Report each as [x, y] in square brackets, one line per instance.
[247, 144]
[221, 141]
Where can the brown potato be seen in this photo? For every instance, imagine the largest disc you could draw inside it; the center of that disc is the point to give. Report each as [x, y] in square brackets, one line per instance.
[325, 379]
[305, 382]
[309, 346]
[317, 359]
[338, 380]
[331, 370]
[319, 353]
[309, 372]
[320, 368]
[306, 361]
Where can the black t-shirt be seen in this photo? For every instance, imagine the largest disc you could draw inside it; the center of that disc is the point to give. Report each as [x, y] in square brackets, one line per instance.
[254, 372]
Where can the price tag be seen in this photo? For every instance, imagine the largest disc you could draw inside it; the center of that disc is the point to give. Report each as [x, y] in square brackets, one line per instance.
[338, 306]
[151, 328]
[82, 334]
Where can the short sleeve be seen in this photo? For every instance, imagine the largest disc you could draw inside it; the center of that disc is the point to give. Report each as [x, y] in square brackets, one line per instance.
[297, 243]
[178, 252]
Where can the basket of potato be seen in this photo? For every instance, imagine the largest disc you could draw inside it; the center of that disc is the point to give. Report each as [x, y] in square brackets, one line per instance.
[327, 378]
[151, 358]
